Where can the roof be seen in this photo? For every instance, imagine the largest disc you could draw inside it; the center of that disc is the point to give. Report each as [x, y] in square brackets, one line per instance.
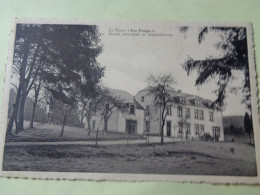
[190, 99]
[126, 97]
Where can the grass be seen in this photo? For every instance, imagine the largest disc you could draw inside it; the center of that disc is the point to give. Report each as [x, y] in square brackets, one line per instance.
[50, 133]
[191, 157]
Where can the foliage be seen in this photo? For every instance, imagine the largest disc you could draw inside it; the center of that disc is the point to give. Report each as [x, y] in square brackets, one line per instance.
[235, 57]
[206, 137]
[63, 56]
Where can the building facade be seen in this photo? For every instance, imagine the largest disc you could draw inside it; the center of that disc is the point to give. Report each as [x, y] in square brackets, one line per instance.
[131, 121]
[188, 119]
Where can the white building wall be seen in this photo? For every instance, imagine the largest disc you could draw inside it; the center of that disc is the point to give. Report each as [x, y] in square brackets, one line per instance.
[117, 121]
[138, 116]
[217, 121]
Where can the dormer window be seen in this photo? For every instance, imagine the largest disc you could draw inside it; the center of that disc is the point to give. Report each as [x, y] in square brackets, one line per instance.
[197, 103]
[142, 99]
[132, 109]
[182, 100]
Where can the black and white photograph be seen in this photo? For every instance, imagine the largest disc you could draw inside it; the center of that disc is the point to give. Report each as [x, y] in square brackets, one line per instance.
[131, 101]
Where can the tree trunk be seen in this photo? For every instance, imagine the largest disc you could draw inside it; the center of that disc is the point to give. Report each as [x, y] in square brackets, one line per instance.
[89, 126]
[20, 126]
[14, 113]
[48, 117]
[19, 91]
[81, 118]
[63, 125]
[105, 124]
[96, 142]
[163, 122]
[37, 91]
[162, 132]
[33, 113]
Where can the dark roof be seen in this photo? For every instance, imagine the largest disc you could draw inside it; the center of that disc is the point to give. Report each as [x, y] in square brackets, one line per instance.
[126, 97]
[190, 99]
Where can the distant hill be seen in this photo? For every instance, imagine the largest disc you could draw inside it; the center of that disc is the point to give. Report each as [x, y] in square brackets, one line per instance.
[237, 121]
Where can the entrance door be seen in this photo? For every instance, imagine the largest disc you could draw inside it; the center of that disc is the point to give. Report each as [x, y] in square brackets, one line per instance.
[131, 126]
[216, 133]
[169, 128]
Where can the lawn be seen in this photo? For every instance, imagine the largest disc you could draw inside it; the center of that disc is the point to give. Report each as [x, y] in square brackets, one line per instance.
[191, 157]
[50, 133]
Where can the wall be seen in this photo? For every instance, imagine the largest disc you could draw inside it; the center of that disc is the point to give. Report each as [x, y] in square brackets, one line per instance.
[138, 116]
[217, 121]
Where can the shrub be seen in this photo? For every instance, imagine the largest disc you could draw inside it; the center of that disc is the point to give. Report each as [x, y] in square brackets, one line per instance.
[206, 137]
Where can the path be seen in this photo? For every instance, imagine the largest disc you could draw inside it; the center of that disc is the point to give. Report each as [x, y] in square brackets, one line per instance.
[117, 142]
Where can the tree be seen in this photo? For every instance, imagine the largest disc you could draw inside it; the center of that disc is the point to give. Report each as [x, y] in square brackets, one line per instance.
[56, 53]
[161, 88]
[106, 104]
[24, 69]
[89, 106]
[75, 72]
[109, 104]
[235, 57]
[37, 87]
[248, 126]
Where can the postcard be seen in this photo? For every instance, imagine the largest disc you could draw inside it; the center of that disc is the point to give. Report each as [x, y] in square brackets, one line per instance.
[131, 101]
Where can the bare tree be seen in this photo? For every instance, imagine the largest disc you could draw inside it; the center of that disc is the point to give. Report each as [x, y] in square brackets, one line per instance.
[109, 104]
[90, 106]
[161, 88]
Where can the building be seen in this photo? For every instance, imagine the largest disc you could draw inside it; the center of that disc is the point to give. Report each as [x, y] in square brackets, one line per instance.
[188, 119]
[132, 120]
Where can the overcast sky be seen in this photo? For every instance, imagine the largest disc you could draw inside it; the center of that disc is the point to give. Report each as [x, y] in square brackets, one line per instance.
[130, 59]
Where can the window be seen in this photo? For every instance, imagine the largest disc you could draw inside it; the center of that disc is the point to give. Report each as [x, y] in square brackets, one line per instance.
[179, 111]
[197, 102]
[182, 100]
[188, 128]
[201, 114]
[180, 127]
[211, 116]
[169, 110]
[196, 114]
[142, 99]
[132, 109]
[197, 129]
[147, 125]
[187, 112]
[147, 111]
[201, 128]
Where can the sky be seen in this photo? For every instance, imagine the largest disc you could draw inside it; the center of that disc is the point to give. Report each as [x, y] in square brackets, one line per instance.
[130, 59]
